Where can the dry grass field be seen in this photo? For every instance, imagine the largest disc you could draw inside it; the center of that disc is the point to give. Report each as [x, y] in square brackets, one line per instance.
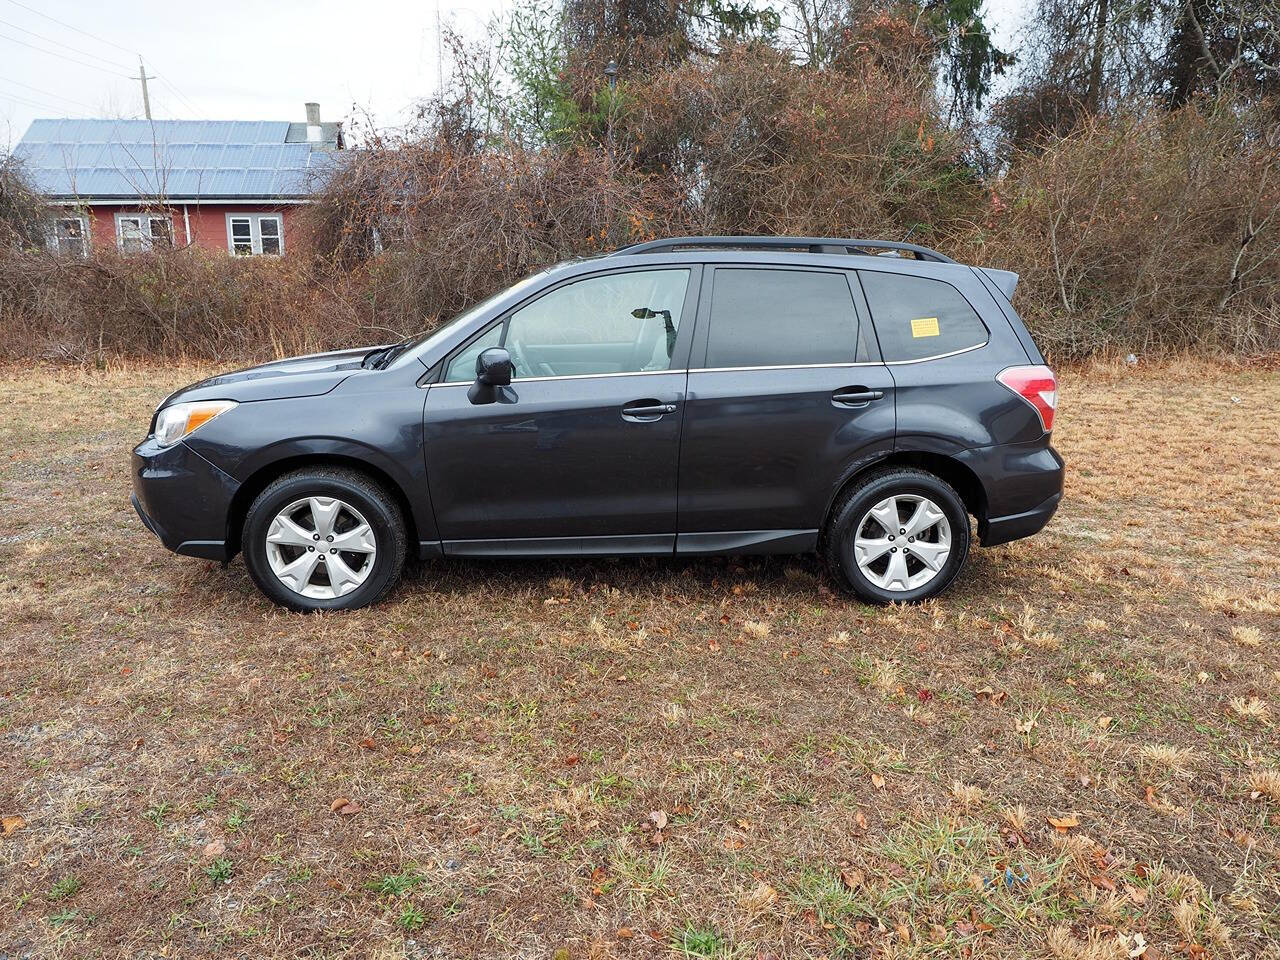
[1073, 754]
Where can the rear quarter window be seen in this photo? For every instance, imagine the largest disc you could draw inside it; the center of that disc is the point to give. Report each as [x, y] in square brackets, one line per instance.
[916, 317]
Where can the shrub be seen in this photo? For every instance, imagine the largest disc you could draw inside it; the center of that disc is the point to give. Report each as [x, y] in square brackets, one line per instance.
[178, 304]
[1147, 231]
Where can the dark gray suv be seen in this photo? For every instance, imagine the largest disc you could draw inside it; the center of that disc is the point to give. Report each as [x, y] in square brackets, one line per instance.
[699, 395]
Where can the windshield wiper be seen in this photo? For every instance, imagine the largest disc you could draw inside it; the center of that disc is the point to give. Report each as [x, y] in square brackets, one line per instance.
[373, 358]
[378, 359]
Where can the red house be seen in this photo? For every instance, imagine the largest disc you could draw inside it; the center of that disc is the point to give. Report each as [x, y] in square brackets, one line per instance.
[220, 184]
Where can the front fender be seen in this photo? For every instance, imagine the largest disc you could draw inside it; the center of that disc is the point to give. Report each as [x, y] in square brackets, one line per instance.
[374, 421]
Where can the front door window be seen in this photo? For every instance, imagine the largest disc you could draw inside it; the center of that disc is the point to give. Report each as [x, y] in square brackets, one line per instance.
[620, 323]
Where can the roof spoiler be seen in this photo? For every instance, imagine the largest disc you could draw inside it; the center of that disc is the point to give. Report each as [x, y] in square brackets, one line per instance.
[1005, 280]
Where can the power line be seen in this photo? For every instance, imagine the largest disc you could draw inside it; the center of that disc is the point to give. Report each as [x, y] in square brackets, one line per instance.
[63, 23]
[63, 56]
[29, 102]
[110, 43]
[178, 93]
[47, 93]
[59, 43]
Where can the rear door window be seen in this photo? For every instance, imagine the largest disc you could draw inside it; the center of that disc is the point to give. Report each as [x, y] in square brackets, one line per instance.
[917, 317]
[771, 318]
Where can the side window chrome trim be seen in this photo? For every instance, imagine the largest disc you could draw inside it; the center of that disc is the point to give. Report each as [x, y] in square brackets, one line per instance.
[789, 366]
[782, 366]
[940, 356]
[860, 363]
[570, 376]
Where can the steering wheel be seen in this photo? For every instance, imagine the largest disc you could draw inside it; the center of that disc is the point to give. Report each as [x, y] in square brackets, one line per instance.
[519, 362]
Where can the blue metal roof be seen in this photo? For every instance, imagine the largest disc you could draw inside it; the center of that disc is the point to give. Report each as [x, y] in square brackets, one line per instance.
[171, 159]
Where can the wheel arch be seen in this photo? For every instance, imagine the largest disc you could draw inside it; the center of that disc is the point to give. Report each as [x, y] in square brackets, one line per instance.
[962, 479]
[248, 491]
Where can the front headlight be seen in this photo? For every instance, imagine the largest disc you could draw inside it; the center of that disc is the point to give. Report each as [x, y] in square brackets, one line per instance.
[176, 421]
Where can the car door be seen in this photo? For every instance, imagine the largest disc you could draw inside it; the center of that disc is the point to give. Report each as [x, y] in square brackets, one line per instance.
[579, 454]
[787, 395]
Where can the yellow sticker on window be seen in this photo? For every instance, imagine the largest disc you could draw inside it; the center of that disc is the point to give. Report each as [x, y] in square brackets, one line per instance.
[924, 327]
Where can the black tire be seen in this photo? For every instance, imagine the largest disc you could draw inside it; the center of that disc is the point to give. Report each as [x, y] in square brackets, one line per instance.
[378, 507]
[853, 506]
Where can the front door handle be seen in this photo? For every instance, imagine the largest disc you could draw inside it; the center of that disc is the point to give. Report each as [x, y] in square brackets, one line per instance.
[644, 411]
[855, 396]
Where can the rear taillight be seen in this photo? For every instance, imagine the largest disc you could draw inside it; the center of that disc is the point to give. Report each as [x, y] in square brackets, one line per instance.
[1038, 386]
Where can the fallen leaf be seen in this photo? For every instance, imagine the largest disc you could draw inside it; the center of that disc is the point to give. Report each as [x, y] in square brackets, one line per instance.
[1104, 883]
[852, 879]
[1105, 722]
[215, 848]
[349, 809]
[368, 743]
[625, 933]
[860, 819]
[1063, 824]
[1136, 894]
[986, 693]
[10, 823]
[338, 803]
[877, 781]
[659, 818]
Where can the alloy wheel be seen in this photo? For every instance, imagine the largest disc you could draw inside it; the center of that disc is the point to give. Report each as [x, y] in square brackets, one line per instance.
[321, 547]
[902, 543]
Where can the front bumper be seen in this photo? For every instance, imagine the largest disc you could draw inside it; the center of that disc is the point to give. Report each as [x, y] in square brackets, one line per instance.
[182, 498]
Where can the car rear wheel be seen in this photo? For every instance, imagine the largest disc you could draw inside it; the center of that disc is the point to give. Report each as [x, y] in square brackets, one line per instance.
[324, 539]
[899, 535]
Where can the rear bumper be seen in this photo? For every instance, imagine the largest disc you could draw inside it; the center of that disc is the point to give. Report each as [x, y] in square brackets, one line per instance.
[1023, 487]
[997, 530]
[182, 498]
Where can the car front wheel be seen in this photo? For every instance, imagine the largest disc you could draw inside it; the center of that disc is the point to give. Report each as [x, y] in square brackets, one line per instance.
[899, 535]
[324, 539]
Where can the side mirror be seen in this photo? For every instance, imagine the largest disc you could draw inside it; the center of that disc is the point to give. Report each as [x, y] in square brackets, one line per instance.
[493, 369]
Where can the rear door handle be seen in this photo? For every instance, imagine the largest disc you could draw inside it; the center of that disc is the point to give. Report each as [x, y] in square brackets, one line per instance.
[855, 396]
[643, 411]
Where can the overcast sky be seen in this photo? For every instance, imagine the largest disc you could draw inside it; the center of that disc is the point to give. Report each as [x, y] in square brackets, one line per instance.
[238, 59]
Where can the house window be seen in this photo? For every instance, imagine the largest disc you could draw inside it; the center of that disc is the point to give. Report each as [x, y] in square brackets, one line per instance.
[252, 234]
[70, 237]
[136, 232]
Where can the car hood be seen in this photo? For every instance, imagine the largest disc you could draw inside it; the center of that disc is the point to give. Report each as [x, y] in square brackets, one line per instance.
[308, 376]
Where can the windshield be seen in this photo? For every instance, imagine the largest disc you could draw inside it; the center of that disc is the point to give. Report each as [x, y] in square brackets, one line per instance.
[429, 339]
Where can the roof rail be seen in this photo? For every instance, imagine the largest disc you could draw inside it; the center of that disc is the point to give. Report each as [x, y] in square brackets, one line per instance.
[810, 244]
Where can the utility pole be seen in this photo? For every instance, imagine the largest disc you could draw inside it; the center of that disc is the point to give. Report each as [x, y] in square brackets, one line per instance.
[439, 54]
[146, 97]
